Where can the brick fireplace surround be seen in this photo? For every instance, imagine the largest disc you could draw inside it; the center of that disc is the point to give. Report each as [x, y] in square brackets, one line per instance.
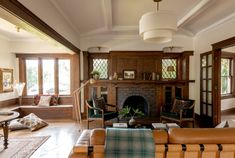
[145, 91]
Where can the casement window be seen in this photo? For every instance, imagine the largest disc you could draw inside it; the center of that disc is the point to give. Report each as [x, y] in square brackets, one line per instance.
[226, 76]
[101, 65]
[169, 68]
[48, 76]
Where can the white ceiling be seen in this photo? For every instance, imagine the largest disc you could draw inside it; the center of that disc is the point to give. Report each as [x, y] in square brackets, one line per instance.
[92, 18]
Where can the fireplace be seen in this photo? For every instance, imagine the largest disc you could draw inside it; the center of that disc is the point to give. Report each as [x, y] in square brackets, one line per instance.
[142, 97]
[137, 102]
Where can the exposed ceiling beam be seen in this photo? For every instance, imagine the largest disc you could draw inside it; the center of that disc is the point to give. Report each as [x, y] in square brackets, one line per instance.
[108, 15]
[17, 9]
[222, 21]
[194, 11]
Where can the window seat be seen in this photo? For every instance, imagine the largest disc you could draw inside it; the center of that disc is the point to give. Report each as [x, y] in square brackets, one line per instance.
[51, 112]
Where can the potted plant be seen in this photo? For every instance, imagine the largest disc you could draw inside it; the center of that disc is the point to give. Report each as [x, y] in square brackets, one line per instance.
[130, 112]
[95, 74]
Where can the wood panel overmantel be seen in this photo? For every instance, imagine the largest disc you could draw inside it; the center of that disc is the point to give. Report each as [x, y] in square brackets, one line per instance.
[141, 62]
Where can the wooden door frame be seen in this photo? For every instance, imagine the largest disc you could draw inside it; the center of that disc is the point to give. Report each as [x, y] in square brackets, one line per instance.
[216, 49]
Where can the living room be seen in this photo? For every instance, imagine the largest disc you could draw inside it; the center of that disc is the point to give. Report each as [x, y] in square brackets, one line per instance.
[108, 33]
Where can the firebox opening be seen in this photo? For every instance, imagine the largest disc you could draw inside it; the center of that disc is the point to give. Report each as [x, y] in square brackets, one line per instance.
[137, 102]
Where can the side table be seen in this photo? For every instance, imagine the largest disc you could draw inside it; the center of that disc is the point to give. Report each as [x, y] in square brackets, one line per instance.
[5, 118]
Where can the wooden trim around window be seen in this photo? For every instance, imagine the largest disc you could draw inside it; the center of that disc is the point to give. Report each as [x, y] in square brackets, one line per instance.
[74, 69]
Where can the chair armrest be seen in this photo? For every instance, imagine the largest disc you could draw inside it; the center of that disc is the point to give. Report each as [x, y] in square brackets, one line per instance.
[94, 108]
[111, 105]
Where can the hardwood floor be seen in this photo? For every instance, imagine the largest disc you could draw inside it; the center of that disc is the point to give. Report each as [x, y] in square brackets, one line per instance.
[63, 135]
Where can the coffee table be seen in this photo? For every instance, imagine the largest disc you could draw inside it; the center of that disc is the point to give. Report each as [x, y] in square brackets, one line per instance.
[5, 118]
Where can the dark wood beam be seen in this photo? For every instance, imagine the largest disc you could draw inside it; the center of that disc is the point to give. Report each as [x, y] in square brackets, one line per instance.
[20, 11]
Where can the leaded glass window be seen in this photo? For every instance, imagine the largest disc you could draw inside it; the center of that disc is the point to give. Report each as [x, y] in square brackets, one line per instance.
[169, 68]
[101, 65]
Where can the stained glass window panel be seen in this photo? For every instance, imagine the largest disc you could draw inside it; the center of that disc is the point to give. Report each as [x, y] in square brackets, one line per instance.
[101, 65]
[169, 69]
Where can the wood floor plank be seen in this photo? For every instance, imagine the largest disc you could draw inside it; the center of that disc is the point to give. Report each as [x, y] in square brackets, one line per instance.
[63, 135]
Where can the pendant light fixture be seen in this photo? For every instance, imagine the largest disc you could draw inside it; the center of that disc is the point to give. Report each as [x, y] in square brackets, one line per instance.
[158, 26]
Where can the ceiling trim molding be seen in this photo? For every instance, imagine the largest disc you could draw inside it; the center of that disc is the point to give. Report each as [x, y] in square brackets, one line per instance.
[186, 32]
[55, 4]
[201, 6]
[95, 32]
[20, 11]
[108, 15]
[125, 28]
[216, 24]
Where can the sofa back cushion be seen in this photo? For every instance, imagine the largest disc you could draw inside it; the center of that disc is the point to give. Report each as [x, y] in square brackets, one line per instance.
[201, 135]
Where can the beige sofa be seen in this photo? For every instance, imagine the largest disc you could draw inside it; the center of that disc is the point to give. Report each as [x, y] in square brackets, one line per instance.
[176, 143]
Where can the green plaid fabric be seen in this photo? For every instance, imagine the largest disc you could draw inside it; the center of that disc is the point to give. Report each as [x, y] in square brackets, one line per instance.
[129, 143]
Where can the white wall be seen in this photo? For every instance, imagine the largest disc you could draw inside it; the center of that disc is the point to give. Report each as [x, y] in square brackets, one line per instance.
[37, 46]
[7, 60]
[202, 43]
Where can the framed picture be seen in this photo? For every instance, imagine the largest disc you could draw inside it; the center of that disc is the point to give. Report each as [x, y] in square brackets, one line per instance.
[6, 80]
[129, 74]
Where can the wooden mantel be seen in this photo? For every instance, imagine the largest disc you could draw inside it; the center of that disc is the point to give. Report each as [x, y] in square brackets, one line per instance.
[143, 81]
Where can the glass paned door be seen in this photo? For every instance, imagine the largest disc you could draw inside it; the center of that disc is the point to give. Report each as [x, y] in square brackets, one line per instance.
[206, 101]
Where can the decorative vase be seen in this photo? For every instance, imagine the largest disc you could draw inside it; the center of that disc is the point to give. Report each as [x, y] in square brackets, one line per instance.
[132, 121]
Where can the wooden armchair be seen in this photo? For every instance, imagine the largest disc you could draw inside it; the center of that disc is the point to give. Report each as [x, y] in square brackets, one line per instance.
[182, 111]
[100, 111]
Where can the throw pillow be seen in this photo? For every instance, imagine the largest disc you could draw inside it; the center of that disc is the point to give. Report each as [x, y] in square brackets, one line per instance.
[36, 99]
[16, 125]
[181, 104]
[44, 101]
[54, 100]
[33, 122]
[176, 106]
[99, 103]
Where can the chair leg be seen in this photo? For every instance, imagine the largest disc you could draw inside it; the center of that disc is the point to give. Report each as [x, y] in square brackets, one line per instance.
[87, 124]
[103, 124]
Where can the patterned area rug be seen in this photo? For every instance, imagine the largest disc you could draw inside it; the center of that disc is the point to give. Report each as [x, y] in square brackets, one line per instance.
[21, 147]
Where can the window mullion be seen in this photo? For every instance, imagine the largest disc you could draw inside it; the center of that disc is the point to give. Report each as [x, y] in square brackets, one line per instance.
[40, 79]
[56, 76]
